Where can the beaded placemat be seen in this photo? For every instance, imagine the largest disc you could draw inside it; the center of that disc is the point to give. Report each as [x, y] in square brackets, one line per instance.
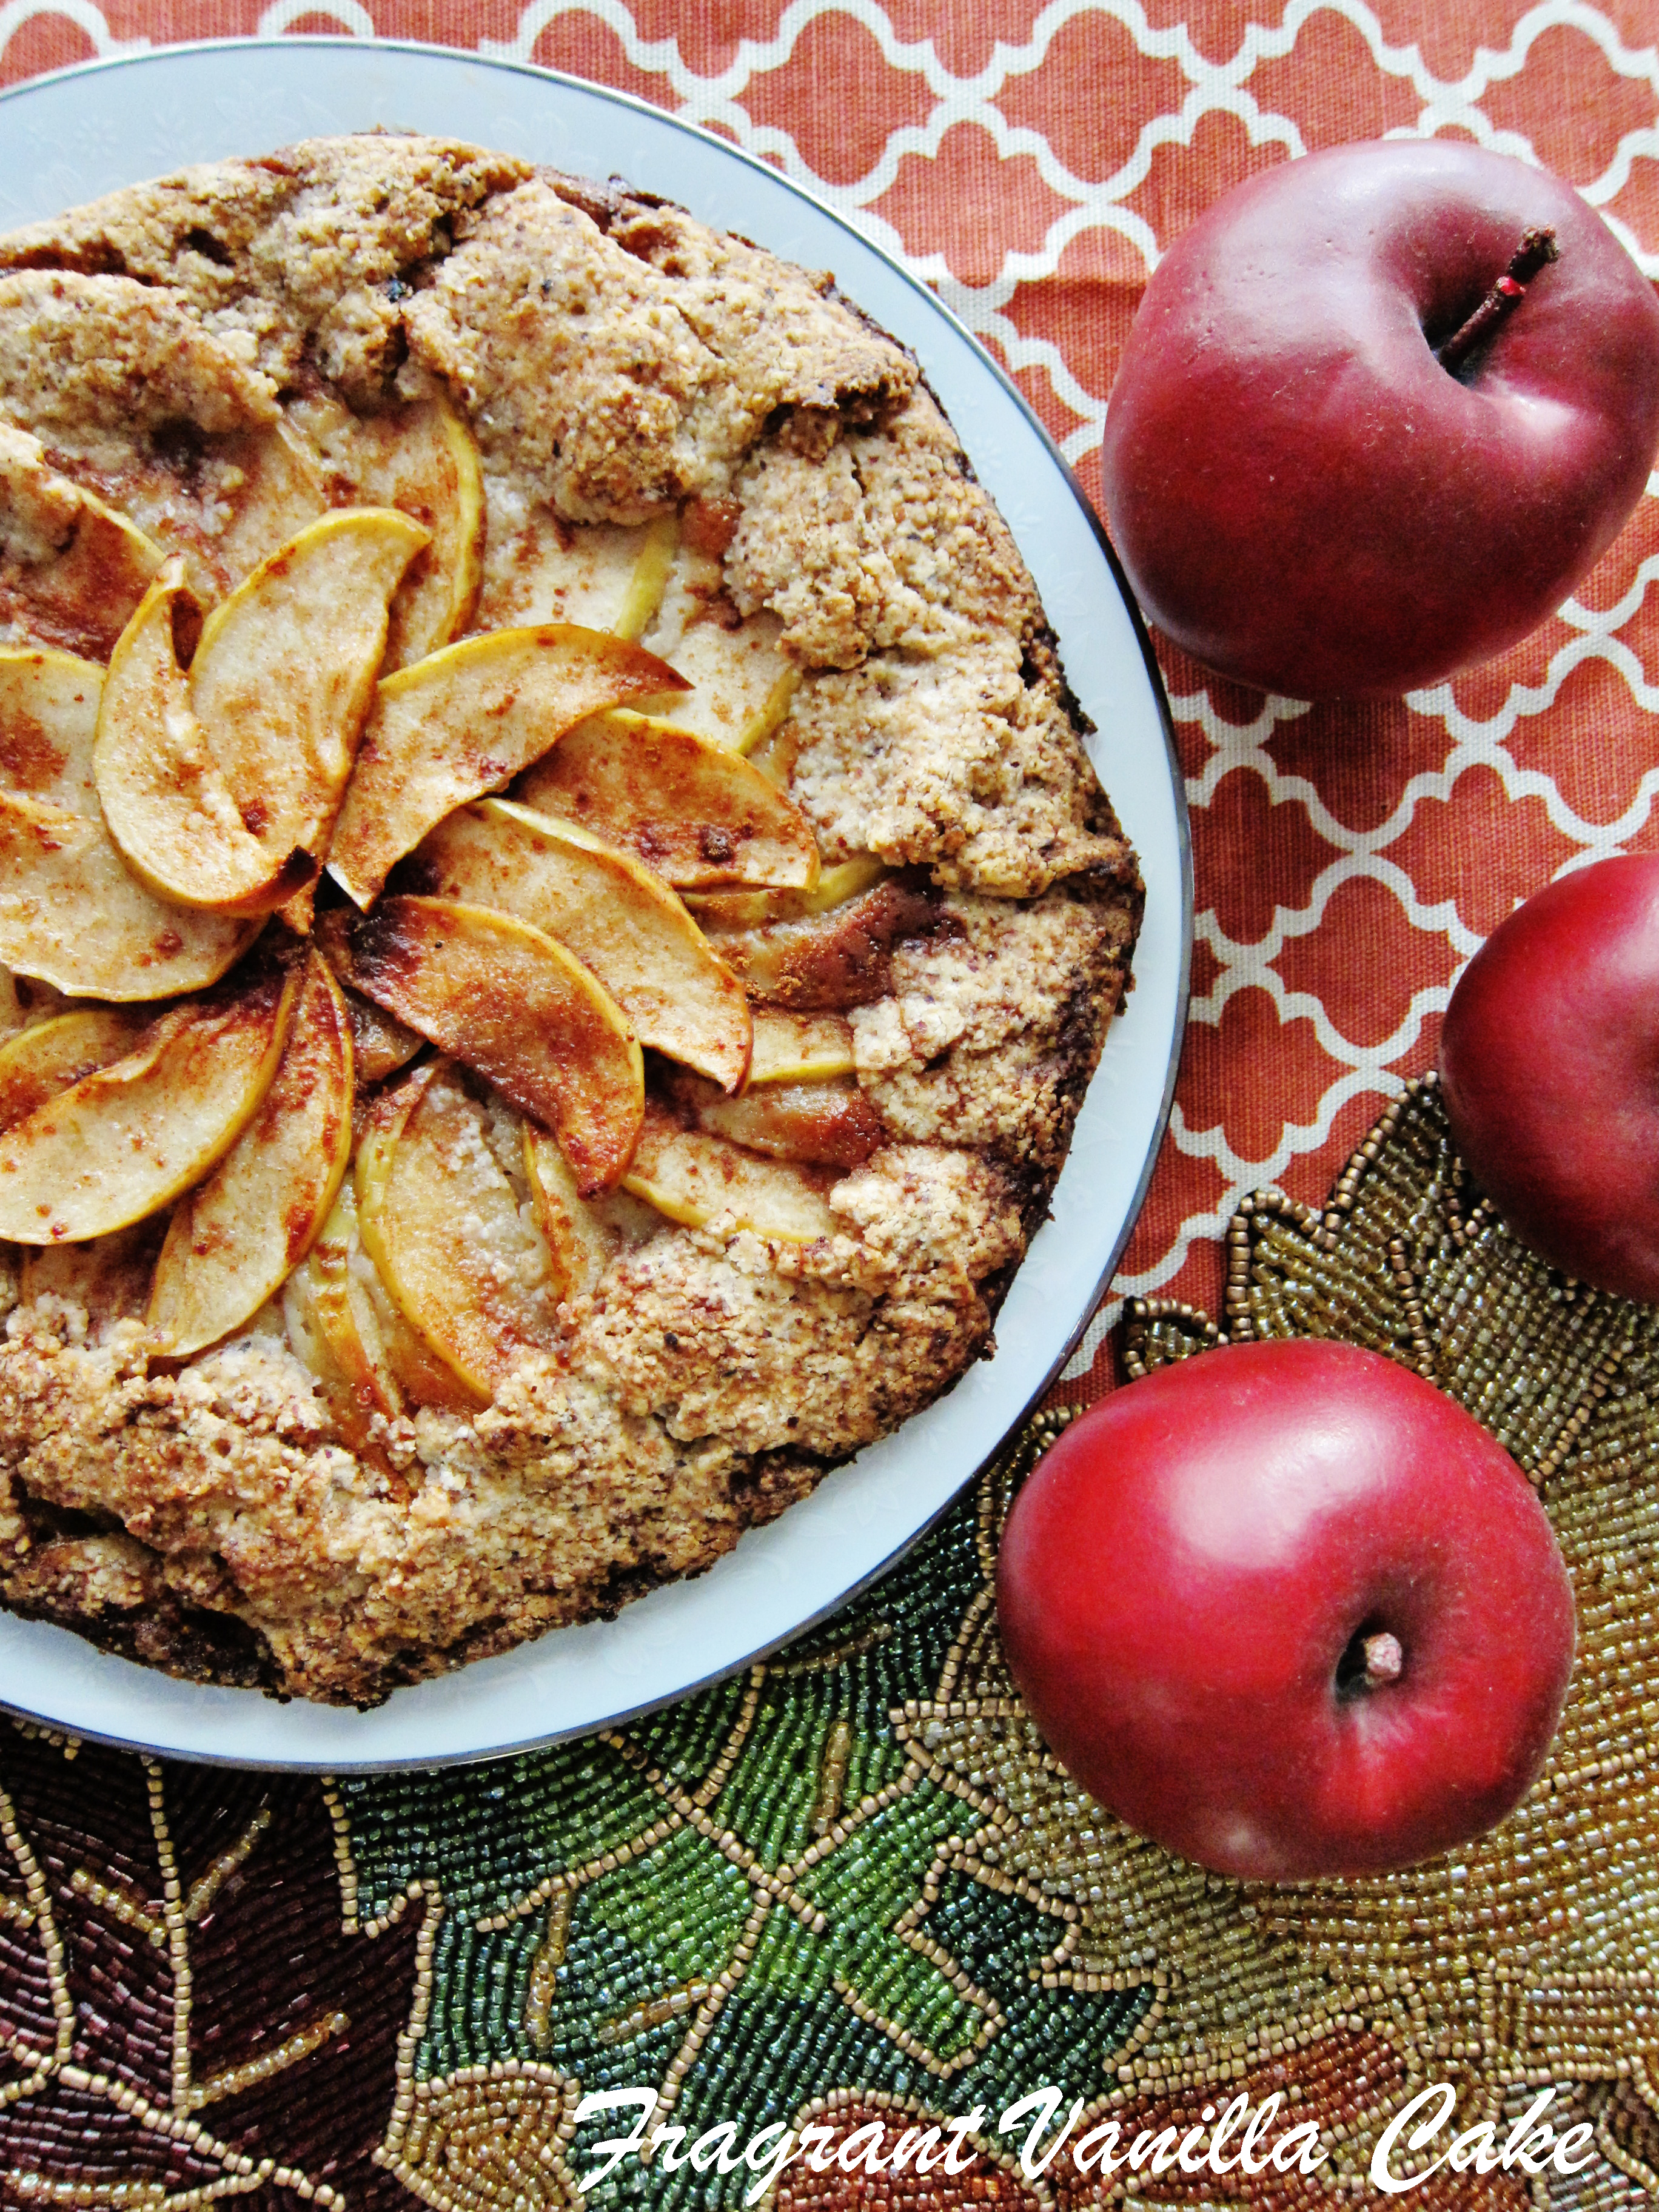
[851, 1882]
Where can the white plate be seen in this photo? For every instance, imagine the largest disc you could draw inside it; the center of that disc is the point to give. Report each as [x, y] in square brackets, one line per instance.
[67, 138]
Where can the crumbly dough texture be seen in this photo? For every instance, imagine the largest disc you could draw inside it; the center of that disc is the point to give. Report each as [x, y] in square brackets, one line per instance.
[613, 358]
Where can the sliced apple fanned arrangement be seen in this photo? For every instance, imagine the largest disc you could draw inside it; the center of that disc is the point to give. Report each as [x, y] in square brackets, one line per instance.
[347, 920]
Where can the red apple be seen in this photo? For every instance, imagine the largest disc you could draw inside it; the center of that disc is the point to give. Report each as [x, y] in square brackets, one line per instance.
[1287, 1610]
[1304, 497]
[1549, 1066]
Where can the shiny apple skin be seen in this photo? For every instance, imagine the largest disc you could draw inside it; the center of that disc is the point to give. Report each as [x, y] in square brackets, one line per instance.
[1185, 1569]
[1549, 1066]
[1303, 497]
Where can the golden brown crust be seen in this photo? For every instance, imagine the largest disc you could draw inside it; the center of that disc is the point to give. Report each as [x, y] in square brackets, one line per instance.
[994, 1026]
[634, 1459]
[622, 369]
[86, 361]
[613, 359]
[779, 329]
[302, 257]
[885, 543]
[727, 1338]
[966, 763]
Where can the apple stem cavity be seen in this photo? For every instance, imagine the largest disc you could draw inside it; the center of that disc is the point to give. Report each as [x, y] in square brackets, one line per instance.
[1536, 250]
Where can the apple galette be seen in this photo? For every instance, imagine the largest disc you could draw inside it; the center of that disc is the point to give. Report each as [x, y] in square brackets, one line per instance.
[557, 919]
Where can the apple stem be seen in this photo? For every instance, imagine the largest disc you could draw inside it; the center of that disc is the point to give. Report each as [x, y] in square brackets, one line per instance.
[1536, 249]
[1383, 1660]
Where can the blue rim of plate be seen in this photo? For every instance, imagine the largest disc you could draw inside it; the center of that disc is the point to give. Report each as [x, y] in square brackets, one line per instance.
[170, 54]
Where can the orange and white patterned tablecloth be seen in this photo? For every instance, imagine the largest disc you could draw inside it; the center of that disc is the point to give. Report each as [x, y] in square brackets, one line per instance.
[1032, 161]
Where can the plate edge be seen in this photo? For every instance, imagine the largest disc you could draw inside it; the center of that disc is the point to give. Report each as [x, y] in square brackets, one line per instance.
[489, 63]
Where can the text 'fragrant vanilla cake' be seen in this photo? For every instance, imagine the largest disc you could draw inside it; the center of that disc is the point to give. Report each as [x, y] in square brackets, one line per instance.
[557, 917]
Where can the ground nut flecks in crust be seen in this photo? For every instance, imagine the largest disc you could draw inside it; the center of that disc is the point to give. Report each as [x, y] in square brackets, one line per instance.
[299, 256]
[992, 1029]
[829, 1355]
[964, 761]
[886, 541]
[616, 384]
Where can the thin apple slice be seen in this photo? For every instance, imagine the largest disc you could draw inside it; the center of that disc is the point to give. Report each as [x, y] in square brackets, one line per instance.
[437, 604]
[819, 962]
[284, 674]
[421, 1378]
[343, 1323]
[236, 1239]
[39, 1062]
[72, 913]
[693, 810]
[121, 1142]
[380, 1044]
[646, 585]
[72, 569]
[442, 1225]
[578, 1239]
[584, 1234]
[511, 1003]
[540, 569]
[758, 909]
[48, 726]
[696, 1179]
[799, 1047]
[611, 912]
[742, 680]
[221, 786]
[467, 720]
[827, 1124]
[166, 801]
[332, 1325]
[421, 458]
